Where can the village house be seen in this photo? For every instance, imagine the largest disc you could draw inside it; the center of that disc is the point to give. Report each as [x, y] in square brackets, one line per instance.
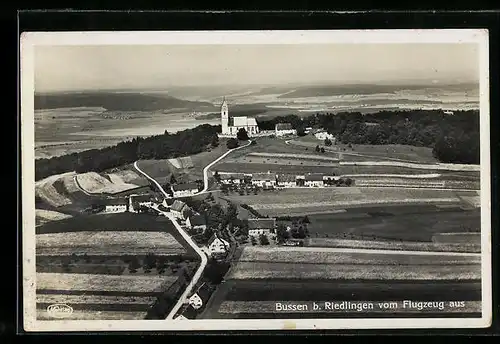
[313, 180]
[322, 135]
[196, 223]
[180, 209]
[282, 129]
[217, 246]
[116, 205]
[264, 179]
[232, 178]
[195, 301]
[181, 317]
[137, 201]
[200, 297]
[182, 190]
[257, 227]
[286, 181]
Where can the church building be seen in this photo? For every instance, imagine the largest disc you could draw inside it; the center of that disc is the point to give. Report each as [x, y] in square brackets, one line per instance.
[231, 125]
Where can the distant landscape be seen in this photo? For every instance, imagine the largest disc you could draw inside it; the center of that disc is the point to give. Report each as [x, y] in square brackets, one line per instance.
[76, 121]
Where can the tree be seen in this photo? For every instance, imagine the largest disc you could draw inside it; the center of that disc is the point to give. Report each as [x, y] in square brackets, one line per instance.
[328, 142]
[317, 148]
[217, 176]
[232, 143]
[348, 181]
[215, 142]
[253, 241]
[322, 150]
[305, 219]
[133, 265]
[301, 131]
[281, 233]
[242, 134]
[173, 180]
[263, 239]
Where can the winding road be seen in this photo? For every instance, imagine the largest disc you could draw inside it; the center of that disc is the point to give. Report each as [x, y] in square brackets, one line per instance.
[204, 260]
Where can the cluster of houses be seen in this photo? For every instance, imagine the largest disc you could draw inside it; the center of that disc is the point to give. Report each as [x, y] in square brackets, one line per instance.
[272, 180]
[132, 203]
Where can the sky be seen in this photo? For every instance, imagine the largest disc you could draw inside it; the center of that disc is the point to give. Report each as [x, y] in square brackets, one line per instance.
[108, 67]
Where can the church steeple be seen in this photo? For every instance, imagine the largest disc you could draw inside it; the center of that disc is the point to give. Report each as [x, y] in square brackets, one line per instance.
[224, 113]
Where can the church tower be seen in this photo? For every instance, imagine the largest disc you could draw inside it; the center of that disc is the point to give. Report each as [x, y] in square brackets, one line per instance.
[224, 115]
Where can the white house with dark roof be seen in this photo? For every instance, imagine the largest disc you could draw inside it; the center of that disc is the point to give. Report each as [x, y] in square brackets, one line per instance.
[232, 178]
[313, 180]
[116, 205]
[264, 179]
[282, 129]
[182, 190]
[217, 245]
[195, 301]
[260, 226]
[136, 201]
[180, 209]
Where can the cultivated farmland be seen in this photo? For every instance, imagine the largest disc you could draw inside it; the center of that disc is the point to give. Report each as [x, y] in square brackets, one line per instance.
[318, 255]
[43, 216]
[151, 284]
[259, 270]
[95, 183]
[108, 243]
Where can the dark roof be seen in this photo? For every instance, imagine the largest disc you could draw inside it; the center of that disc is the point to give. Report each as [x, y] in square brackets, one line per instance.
[263, 176]
[186, 186]
[261, 223]
[197, 220]
[286, 178]
[178, 205]
[283, 126]
[116, 201]
[234, 175]
[314, 177]
[141, 198]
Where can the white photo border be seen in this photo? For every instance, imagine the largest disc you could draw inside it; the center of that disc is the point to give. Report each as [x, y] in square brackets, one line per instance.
[29, 40]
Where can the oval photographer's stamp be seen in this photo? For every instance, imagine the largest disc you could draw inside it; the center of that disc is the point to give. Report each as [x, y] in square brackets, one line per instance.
[59, 310]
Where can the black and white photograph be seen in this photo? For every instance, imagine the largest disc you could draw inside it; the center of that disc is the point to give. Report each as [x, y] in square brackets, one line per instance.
[255, 180]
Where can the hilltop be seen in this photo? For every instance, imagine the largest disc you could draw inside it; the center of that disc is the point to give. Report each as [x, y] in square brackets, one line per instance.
[122, 101]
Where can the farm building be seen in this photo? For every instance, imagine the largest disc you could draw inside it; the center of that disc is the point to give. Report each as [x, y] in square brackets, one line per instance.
[136, 201]
[200, 297]
[196, 223]
[187, 189]
[116, 205]
[195, 301]
[308, 130]
[180, 209]
[232, 178]
[217, 246]
[257, 227]
[313, 180]
[321, 135]
[282, 129]
[286, 181]
[264, 179]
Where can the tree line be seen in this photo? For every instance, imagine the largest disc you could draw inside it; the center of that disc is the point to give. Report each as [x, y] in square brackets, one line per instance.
[453, 138]
[165, 146]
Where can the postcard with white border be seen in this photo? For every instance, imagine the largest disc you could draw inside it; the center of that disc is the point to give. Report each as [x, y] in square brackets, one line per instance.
[255, 180]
